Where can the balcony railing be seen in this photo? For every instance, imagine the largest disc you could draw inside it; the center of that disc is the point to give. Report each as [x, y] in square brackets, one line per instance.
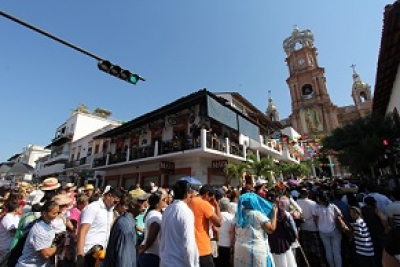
[206, 142]
[175, 145]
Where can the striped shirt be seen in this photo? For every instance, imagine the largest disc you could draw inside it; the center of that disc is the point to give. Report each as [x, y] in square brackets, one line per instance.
[362, 238]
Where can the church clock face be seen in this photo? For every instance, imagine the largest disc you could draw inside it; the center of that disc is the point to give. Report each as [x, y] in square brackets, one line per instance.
[301, 61]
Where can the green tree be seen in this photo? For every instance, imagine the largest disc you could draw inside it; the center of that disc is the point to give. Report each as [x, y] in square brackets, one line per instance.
[293, 169]
[261, 168]
[358, 145]
[235, 171]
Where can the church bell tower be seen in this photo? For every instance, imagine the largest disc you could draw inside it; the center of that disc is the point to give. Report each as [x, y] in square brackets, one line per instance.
[312, 109]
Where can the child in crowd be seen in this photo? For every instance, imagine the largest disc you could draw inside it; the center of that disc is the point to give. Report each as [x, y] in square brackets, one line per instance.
[364, 247]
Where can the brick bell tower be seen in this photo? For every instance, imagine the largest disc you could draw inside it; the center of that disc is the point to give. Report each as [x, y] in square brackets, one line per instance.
[312, 109]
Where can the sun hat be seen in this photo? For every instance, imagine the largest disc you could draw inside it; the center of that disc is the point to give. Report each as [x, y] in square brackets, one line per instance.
[50, 184]
[62, 199]
[24, 185]
[88, 187]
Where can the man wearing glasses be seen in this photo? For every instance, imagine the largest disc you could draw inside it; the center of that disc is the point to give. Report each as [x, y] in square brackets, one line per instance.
[96, 221]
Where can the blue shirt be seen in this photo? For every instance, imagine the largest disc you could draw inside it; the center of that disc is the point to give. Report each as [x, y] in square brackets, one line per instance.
[121, 251]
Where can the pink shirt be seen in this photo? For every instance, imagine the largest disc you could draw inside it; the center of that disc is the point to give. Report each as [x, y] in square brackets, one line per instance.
[75, 214]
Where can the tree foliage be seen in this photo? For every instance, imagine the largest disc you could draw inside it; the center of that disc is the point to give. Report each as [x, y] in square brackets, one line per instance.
[359, 145]
[235, 171]
[293, 169]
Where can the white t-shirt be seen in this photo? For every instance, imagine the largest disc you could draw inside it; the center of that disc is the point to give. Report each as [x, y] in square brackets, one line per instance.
[41, 236]
[326, 217]
[8, 223]
[100, 218]
[224, 231]
[233, 208]
[307, 206]
[178, 246]
[151, 217]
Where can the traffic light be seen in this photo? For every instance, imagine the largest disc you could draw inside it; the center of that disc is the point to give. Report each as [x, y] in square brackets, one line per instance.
[117, 71]
[385, 142]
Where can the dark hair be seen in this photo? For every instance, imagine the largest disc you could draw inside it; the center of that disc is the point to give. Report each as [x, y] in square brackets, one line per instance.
[124, 200]
[115, 192]
[207, 189]
[181, 189]
[234, 194]
[36, 207]
[324, 198]
[48, 205]
[352, 200]
[153, 200]
[48, 195]
[12, 206]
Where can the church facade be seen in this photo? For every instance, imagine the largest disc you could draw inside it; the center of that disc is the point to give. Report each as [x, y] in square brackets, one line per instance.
[313, 113]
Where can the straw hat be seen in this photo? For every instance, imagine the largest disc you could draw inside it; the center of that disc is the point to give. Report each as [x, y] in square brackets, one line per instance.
[89, 187]
[50, 184]
[24, 185]
[62, 199]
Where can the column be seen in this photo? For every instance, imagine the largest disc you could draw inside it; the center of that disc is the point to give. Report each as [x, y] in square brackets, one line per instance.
[128, 154]
[203, 138]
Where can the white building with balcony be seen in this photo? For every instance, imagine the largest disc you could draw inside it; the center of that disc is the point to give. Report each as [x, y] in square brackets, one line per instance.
[80, 123]
[195, 135]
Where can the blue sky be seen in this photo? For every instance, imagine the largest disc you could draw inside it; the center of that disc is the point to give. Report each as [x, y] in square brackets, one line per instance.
[178, 46]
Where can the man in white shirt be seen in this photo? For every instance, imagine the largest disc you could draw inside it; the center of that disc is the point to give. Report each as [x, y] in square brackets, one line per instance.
[96, 221]
[309, 236]
[178, 242]
[225, 234]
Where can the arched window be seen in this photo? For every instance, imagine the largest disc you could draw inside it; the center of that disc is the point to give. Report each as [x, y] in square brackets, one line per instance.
[307, 91]
[363, 97]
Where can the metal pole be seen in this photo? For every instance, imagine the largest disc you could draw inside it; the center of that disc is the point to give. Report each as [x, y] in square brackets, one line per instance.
[50, 35]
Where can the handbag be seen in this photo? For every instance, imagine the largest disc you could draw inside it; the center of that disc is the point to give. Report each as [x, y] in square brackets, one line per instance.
[340, 223]
[290, 234]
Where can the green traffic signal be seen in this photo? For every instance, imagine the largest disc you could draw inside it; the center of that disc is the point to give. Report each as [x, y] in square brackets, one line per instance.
[117, 71]
[134, 79]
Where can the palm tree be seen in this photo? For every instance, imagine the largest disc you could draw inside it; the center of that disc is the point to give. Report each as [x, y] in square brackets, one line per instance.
[235, 171]
[261, 168]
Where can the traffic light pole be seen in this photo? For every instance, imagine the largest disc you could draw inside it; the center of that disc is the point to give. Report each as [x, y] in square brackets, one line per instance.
[103, 65]
[55, 38]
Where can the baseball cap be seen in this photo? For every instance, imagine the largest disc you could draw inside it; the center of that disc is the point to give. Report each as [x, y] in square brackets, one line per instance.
[137, 195]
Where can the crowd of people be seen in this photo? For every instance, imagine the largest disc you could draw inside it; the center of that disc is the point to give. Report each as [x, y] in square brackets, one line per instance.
[298, 223]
